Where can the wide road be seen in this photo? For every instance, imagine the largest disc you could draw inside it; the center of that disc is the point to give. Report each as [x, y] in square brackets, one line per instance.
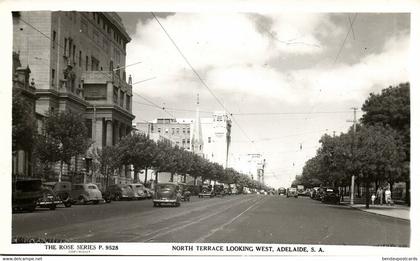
[241, 218]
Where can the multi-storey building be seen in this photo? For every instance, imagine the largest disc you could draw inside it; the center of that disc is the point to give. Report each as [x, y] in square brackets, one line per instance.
[78, 62]
[251, 164]
[177, 133]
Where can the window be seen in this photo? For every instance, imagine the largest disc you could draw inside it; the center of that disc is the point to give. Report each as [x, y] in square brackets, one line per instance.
[74, 51]
[87, 63]
[80, 58]
[159, 130]
[166, 130]
[177, 130]
[209, 139]
[183, 141]
[53, 39]
[94, 64]
[128, 101]
[219, 118]
[84, 27]
[183, 130]
[65, 46]
[122, 98]
[52, 77]
[173, 130]
[188, 130]
[88, 123]
[188, 141]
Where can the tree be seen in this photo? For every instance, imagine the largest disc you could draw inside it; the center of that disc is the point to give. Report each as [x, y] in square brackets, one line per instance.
[378, 155]
[66, 135]
[136, 149]
[392, 108]
[109, 160]
[24, 127]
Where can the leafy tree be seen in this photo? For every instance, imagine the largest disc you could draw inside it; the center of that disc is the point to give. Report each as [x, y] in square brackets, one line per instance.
[392, 107]
[109, 160]
[136, 149]
[24, 127]
[66, 136]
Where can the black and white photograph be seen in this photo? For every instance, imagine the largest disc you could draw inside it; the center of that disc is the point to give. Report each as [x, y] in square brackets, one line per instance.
[223, 132]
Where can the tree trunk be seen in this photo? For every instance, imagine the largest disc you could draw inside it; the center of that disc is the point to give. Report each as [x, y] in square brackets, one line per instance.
[145, 175]
[156, 177]
[407, 192]
[185, 178]
[136, 174]
[172, 177]
[195, 181]
[61, 171]
[367, 194]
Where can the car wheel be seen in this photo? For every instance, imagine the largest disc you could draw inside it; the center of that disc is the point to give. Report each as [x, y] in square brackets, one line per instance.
[117, 197]
[82, 200]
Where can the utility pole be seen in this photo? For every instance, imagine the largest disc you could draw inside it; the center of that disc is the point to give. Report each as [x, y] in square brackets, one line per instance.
[354, 143]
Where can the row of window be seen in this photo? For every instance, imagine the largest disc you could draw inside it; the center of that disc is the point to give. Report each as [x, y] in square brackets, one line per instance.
[174, 130]
[107, 28]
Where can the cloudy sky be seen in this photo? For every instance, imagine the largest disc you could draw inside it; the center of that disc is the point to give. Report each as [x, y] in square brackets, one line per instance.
[286, 78]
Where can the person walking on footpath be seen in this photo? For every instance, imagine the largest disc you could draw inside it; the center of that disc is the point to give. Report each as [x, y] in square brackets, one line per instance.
[388, 196]
[379, 195]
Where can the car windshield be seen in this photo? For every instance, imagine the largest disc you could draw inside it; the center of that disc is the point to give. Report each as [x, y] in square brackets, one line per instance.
[92, 187]
[165, 187]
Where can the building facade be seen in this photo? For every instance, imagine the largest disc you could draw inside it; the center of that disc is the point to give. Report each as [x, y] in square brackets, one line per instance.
[77, 60]
[251, 164]
[215, 135]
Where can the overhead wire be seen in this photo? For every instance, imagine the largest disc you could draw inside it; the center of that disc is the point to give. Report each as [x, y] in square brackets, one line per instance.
[199, 77]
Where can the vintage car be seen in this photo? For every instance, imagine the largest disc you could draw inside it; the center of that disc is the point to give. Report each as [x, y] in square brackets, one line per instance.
[331, 195]
[85, 193]
[167, 193]
[219, 190]
[149, 192]
[139, 191]
[185, 193]
[206, 192]
[292, 192]
[25, 194]
[62, 190]
[49, 199]
[120, 192]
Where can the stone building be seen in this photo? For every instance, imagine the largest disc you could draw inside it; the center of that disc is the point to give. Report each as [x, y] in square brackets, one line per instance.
[24, 91]
[78, 62]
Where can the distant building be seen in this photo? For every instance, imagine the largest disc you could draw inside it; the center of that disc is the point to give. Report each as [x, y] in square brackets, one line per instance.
[251, 164]
[170, 129]
[78, 62]
[215, 135]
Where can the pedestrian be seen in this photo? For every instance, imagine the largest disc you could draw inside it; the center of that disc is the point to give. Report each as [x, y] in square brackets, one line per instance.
[379, 195]
[373, 197]
[388, 196]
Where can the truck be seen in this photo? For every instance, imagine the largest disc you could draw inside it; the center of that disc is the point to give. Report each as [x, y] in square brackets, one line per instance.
[300, 190]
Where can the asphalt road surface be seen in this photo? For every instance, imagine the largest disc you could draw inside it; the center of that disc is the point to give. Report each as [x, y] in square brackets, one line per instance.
[240, 219]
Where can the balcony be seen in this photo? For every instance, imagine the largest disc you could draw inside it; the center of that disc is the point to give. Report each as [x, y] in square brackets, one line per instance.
[102, 77]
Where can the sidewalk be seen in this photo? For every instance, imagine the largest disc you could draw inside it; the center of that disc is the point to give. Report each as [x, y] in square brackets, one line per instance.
[396, 211]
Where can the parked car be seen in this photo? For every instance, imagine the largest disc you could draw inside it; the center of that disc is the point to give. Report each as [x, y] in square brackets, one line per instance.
[206, 192]
[105, 194]
[139, 191]
[149, 192]
[185, 193]
[219, 190]
[314, 191]
[292, 192]
[85, 193]
[25, 194]
[167, 193]
[48, 199]
[120, 192]
[331, 195]
[282, 191]
[62, 190]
